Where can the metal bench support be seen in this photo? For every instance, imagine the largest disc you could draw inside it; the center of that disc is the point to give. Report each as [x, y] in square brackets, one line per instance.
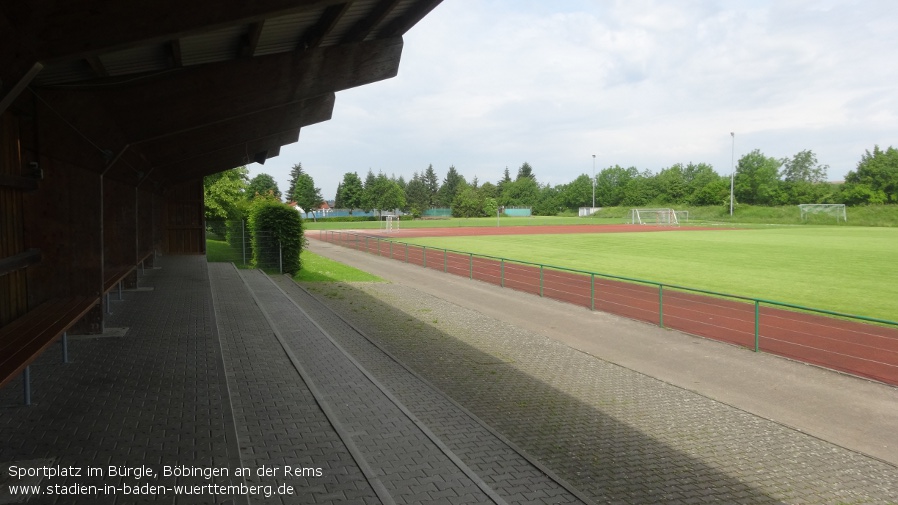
[26, 380]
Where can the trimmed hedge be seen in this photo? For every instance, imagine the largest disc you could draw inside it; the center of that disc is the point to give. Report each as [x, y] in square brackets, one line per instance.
[276, 233]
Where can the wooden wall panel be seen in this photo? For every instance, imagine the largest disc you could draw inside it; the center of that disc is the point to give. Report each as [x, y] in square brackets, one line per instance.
[62, 218]
[185, 219]
[13, 286]
[119, 227]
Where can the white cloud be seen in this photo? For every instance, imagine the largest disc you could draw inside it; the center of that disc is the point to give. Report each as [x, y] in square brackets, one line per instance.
[488, 84]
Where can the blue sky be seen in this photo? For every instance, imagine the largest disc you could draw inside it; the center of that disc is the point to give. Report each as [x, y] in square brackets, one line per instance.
[487, 84]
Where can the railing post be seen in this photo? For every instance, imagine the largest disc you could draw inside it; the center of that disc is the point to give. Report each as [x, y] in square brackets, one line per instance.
[592, 291]
[540, 280]
[502, 272]
[391, 250]
[445, 261]
[26, 381]
[243, 239]
[424, 256]
[280, 257]
[757, 326]
[406, 252]
[65, 347]
[471, 265]
[661, 305]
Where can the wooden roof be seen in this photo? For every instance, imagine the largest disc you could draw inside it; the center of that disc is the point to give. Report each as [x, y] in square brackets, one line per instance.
[169, 91]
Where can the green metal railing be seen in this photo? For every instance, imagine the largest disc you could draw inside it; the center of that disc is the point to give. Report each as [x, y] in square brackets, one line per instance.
[542, 266]
[752, 304]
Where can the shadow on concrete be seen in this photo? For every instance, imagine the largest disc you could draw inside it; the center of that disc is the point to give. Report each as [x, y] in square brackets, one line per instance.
[609, 459]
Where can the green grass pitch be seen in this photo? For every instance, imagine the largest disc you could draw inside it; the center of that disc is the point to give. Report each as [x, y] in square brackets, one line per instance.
[843, 269]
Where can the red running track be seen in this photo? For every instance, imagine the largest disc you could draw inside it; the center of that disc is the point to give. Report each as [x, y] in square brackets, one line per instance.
[861, 349]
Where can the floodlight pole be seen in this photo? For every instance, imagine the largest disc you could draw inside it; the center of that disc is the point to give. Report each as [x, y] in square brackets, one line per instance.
[733, 172]
[593, 183]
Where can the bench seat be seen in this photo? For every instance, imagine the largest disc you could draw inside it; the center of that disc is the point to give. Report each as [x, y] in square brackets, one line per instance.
[25, 338]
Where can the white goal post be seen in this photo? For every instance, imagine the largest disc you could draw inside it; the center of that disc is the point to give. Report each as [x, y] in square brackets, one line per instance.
[390, 222]
[833, 209]
[660, 217]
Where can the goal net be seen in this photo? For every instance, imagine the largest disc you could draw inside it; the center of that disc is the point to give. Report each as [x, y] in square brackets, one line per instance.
[836, 210]
[660, 217]
[390, 222]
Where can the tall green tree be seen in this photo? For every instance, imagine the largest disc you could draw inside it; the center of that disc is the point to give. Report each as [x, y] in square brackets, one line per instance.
[417, 195]
[338, 204]
[489, 190]
[803, 167]
[671, 185]
[432, 182]
[351, 191]
[263, 185]
[804, 179]
[525, 171]
[306, 195]
[369, 192]
[698, 176]
[639, 190]
[390, 196]
[549, 201]
[757, 179]
[875, 180]
[523, 192]
[295, 172]
[610, 184]
[223, 193]
[450, 187]
[506, 178]
[467, 203]
[578, 193]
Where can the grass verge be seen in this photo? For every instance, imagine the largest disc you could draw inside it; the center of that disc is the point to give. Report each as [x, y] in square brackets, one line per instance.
[315, 268]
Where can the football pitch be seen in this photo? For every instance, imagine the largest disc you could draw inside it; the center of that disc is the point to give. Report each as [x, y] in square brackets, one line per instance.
[842, 269]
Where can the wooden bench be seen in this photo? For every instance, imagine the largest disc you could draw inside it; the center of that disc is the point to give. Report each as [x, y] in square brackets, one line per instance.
[25, 338]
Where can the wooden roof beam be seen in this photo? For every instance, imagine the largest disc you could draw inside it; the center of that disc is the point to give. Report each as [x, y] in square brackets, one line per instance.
[410, 18]
[208, 94]
[254, 126]
[364, 26]
[314, 35]
[64, 30]
[223, 159]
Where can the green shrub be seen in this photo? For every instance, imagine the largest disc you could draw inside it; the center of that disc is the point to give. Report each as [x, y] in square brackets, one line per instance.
[276, 234]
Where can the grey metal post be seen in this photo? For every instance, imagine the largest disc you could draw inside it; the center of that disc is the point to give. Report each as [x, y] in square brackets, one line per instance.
[243, 239]
[26, 380]
[65, 347]
[280, 257]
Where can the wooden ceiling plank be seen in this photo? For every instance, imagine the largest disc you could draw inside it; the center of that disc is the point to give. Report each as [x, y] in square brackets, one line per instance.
[313, 36]
[410, 18]
[66, 30]
[364, 26]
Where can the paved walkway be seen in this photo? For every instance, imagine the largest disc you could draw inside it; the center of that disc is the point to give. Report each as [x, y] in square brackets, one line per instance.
[407, 446]
[149, 396]
[402, 396]
[616, 432]
[208, 371]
